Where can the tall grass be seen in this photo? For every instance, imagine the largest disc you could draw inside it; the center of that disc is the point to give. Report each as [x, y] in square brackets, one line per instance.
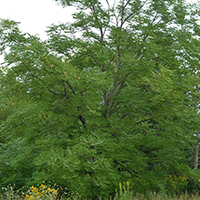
[124, 193]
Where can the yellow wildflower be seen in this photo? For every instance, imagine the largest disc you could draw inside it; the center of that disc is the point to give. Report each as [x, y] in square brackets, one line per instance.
[55, 191]
[49, 190]
[33, 189]
[31, 197]
[38, 194]
[42, 186]
[26, 197]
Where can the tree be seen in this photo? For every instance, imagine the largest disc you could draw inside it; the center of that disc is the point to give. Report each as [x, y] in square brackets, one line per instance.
[105, 99]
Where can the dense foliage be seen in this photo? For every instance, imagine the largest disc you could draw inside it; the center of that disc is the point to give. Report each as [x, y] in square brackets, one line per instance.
[111, 97]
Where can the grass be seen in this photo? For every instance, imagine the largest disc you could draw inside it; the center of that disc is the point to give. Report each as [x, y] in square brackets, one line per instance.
[137, 197]
[50, 193]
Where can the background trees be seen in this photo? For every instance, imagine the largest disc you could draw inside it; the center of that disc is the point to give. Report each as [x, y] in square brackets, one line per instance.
[111, 97]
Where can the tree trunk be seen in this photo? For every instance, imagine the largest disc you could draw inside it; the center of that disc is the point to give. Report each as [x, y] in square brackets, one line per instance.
[196, 156]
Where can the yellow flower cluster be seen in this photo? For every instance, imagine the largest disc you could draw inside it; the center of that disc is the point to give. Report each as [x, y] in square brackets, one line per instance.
[180, 179]
[43, 191]
[176, 182]
[124, 191]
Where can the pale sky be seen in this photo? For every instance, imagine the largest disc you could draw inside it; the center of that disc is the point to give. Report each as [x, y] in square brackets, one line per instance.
[35, 15]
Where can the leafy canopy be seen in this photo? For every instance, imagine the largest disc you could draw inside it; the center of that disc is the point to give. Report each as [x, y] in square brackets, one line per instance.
[111, 97]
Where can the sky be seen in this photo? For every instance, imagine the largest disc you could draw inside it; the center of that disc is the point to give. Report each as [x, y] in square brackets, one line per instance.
[35, 15]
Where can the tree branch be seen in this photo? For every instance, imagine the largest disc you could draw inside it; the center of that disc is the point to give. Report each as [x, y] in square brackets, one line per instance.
[122, 23]
[100, 28]
[122, 13]
[59, 102]
[31, 72]
[81, 92]
[56, 93]
[71, 87]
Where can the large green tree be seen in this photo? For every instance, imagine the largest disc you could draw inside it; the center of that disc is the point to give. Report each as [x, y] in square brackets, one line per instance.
[111, 97]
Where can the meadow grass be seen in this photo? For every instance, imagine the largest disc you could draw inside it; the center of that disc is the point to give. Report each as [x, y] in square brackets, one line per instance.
[137, 197]
[43, 192]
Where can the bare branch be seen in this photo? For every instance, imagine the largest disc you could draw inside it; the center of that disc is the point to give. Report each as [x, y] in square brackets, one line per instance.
[108, 4]
[122, 13]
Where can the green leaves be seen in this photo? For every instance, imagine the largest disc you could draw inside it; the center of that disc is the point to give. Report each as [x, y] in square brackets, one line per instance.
[108, 98]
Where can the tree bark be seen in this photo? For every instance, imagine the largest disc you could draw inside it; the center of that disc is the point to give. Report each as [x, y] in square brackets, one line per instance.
[196, 156]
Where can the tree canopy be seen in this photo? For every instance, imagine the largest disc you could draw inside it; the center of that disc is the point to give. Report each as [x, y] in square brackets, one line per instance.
[110, 97]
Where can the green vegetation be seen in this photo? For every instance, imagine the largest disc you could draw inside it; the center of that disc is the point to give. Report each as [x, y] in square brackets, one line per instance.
[111, 97]
[124, 193]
